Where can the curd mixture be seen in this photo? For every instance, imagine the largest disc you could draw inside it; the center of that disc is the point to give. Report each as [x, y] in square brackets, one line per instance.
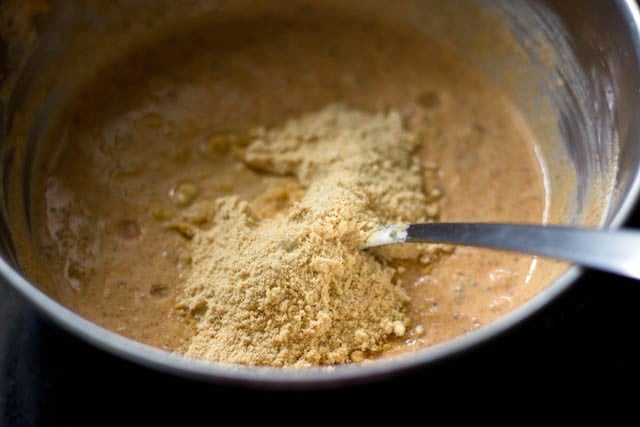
[213, 190]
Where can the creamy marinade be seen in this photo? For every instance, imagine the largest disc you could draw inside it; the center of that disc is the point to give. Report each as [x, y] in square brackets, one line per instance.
[156, 145]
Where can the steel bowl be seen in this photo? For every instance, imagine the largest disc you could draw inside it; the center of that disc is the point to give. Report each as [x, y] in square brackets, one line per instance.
[573, 71]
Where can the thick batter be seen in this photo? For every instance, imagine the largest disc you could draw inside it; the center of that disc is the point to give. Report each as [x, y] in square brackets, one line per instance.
[167, 125]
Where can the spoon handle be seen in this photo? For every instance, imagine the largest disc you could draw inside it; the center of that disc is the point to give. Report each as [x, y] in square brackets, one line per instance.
[616, 251]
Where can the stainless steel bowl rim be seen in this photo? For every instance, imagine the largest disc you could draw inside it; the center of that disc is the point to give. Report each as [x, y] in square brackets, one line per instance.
[316, 377]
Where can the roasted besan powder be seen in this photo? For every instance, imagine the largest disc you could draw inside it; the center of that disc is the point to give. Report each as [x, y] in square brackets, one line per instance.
[294, 287]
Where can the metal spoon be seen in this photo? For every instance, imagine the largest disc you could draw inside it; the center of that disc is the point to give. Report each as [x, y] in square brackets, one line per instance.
[615, 251]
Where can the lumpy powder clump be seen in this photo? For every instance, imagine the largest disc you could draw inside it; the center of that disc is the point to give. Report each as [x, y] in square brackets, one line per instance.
[282, 280]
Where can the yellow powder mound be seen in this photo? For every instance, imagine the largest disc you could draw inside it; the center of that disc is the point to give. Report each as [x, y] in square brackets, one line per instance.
[295, 289]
